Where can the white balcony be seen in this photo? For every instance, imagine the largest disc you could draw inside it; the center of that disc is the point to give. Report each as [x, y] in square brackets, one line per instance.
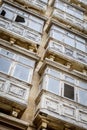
[57, 108]
[70, 14]
[13, 96]
[20, 24]
[61, 98]
[68, 38]
[19, 31]
[16, 73]
[72, 20]
[66, 52]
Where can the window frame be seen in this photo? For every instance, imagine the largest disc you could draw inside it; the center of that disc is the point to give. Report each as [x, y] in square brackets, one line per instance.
[27, 17]
[79, 99]
[74, 98]
[74, 37]
[47, 83]
[15, 62]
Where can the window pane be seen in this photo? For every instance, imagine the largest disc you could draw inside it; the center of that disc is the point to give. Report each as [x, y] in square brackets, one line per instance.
[70, 10]
[78, 14]
[21, 20]
[26, 61]
[35, 26]
[69, 79]
[83, 84]
[7, 53]
[60, 5]
[58, 36]
[54, 73]
[4, 64]
[69, 41]
[7, 14]
[53, 85]
[83, 97]
[21, 72]
[80, 39]
[36, 19]
[69, 34]
[68, 91]
[80, 46]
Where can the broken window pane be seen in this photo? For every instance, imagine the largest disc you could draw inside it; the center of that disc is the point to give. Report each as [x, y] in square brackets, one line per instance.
[3, 13]
[19, 19]
[68, 91]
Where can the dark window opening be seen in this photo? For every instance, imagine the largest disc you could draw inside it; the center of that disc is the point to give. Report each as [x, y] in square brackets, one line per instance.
[5, 111]
[3, 13]
[19, 19]
[68, 91]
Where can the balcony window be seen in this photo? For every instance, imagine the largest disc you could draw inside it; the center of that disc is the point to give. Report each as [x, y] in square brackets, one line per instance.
[58, 35]
[21, 18]
[79, 14]
[69, 41]
[83, 84]
[21, 72]
[35, 23]
[83, 97]
[16, 65]
[53, 85]
[7, 53]
[60, 5]
[53, 73]
[69, 9]
[68, 38]
[4, 64]
[80, 46]
[69, 79]
[26, 61]
[35, 26]
[69, 91]
[7, 14]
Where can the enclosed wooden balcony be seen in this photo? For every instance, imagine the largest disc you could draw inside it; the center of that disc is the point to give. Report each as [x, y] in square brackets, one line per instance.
[70, 15]
[20, 25]
[16, 73]
[13, 97]
[66, 52]
[66, 46]
[61, 100]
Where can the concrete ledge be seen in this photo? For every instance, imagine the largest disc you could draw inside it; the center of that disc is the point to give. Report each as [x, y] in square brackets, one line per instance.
[13, 122]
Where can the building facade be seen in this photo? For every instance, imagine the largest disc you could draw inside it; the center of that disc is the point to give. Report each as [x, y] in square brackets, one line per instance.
[43, 64]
